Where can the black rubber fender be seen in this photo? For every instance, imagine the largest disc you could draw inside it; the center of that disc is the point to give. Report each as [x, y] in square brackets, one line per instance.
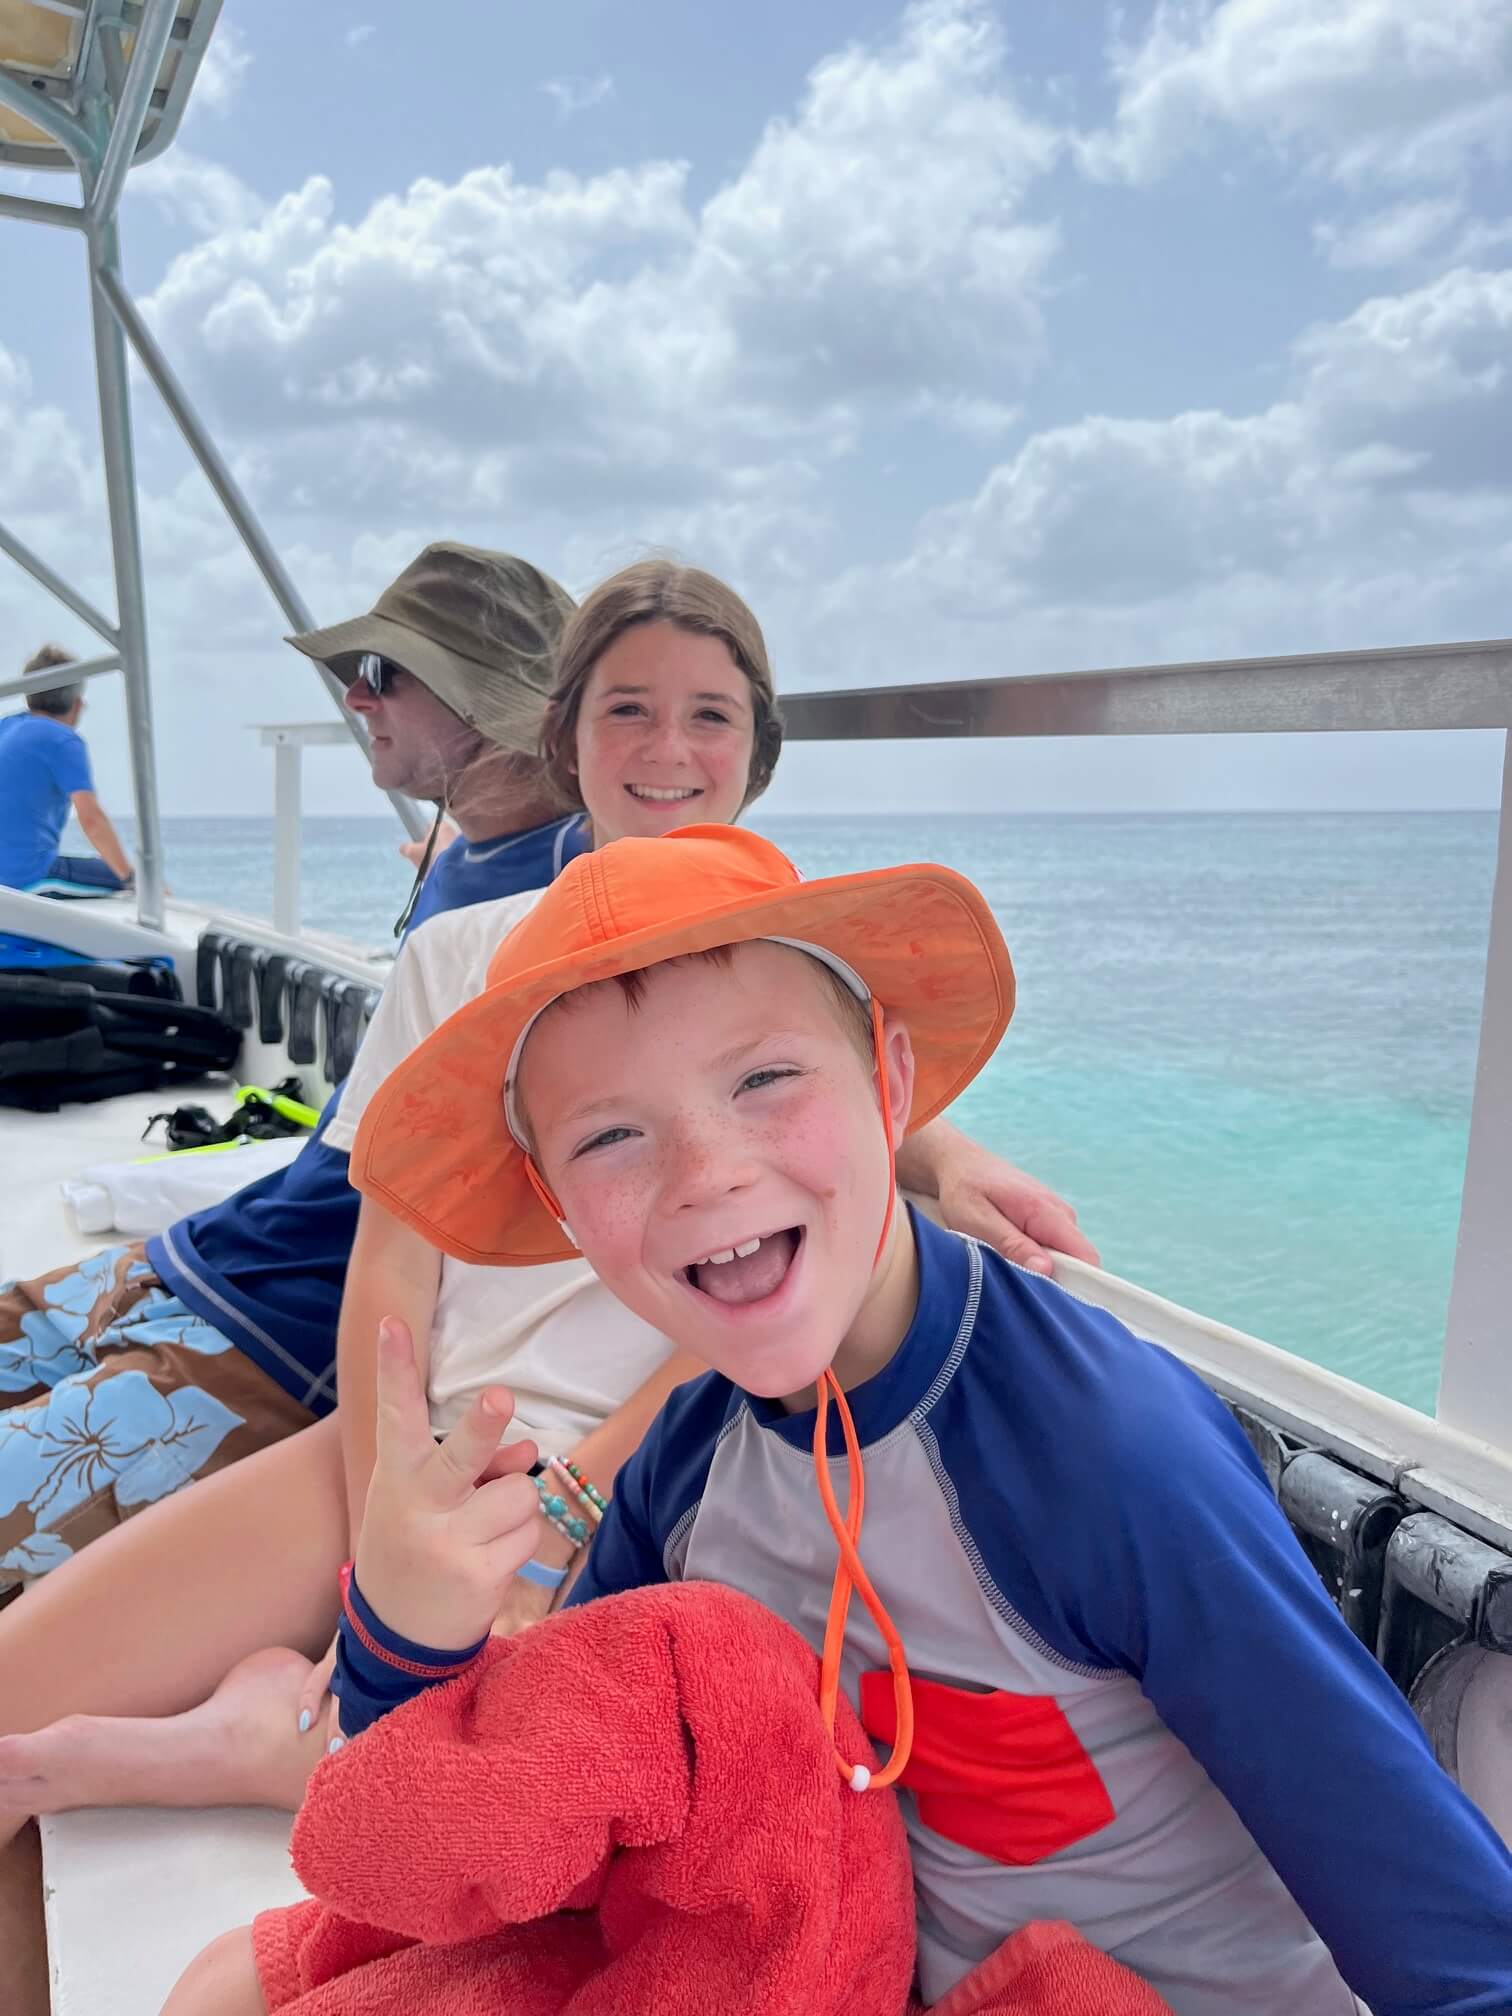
[207, 968]
[236, 982]
[302, 989]
[350, 998]
[269, 970]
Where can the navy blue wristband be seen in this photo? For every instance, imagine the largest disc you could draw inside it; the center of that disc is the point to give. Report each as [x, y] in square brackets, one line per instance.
[377, 1670]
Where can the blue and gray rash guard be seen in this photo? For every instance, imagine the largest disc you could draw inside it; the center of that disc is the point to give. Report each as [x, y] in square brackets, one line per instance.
[1136, 1707]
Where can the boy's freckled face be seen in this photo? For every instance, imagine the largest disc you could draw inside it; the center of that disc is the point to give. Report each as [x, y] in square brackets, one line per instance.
[729, 1106]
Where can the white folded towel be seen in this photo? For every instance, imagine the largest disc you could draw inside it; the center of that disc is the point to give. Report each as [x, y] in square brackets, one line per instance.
[140, 1198]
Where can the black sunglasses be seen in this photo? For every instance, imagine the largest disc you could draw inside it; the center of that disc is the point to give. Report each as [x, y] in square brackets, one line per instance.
[376, 673]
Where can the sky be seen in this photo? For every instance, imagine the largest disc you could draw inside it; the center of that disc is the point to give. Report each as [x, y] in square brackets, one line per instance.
[961, 338]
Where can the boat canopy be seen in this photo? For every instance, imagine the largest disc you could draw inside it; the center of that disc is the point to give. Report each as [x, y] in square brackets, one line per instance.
[65, 53]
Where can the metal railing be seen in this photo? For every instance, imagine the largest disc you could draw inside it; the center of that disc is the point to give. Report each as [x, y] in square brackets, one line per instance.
[1416, 686]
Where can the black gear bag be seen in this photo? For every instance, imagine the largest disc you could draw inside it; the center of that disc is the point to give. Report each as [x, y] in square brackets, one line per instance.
[62, 1041]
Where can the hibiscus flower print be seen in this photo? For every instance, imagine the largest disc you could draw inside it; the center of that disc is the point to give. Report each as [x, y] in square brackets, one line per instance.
[119, 1434]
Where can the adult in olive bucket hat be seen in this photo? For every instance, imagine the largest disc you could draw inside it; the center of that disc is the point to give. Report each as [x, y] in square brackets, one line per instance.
[449, 671]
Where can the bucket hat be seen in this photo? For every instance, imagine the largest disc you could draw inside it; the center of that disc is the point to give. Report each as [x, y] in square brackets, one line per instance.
[435, 1145]
[479, 629]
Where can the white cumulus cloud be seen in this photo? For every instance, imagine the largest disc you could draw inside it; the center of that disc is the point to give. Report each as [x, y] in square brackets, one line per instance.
[1356, 90]
[585, 340]
[1390, 237]
[1371, 504]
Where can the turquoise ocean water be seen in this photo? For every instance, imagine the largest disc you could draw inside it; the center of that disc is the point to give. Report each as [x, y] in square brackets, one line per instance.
[1244, 1044]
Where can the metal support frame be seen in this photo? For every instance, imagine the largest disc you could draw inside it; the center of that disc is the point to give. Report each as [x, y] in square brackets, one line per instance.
[118, 454]
[56, 585]
[287, 766]
[288, 740]
[74, 674]
[30, 210]
[103, 177]
[101, 131]
[47, 115]
[1475, 1383]
[132, 107]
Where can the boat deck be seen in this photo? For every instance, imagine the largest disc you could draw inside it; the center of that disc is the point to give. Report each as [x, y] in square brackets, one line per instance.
[39, 1150]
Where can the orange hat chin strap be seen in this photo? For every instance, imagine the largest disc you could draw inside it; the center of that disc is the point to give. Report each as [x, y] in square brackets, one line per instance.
[888, 1133]
[849, 1573]
[542, 1190]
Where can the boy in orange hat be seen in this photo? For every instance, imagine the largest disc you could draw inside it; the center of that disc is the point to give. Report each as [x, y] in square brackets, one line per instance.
[1126, 1699]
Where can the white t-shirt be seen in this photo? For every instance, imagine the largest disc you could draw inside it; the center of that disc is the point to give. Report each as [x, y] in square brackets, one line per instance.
[554, 1334]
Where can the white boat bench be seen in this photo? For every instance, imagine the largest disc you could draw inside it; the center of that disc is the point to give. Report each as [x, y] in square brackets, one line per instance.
[134, 1893]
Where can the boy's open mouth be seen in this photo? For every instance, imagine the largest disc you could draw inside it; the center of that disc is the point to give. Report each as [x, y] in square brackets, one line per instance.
[664, 794]
[738, 1275]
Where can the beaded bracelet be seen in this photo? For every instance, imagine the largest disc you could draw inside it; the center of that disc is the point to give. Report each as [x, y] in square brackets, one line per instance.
[555, 1510]
[581, 1489]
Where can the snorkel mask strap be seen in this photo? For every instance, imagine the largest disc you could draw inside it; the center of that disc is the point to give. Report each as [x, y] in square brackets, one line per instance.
[846, 1527]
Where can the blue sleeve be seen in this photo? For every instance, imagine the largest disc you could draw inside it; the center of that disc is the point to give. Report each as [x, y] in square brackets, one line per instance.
[68, 759]
[1187, 1575]
[378, 1671]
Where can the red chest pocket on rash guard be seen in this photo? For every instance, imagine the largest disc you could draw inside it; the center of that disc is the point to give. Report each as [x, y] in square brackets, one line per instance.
[1003, 1774]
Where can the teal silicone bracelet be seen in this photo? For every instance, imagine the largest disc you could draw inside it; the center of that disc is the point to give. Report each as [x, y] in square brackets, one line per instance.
[542, 1576]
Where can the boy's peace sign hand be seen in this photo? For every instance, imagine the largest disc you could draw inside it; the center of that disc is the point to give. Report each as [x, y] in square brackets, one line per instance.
[446, 1524]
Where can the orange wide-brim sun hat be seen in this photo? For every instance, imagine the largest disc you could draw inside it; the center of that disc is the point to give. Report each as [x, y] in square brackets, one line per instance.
[434, 1146]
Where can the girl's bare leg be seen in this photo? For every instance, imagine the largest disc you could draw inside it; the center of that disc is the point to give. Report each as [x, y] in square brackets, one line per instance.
[148, 1621]
[221, 1981]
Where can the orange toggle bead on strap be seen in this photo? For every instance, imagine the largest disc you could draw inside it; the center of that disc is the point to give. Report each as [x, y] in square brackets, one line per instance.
[849, 1576]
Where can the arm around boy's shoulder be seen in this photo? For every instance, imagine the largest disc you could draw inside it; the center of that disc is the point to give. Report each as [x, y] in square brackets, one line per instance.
[1161, 1550]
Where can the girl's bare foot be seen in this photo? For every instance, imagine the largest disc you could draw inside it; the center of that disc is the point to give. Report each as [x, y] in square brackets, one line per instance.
[242, 1747]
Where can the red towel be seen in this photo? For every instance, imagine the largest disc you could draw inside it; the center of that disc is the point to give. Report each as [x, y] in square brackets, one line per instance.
[631, 1807]
[1048, 1970]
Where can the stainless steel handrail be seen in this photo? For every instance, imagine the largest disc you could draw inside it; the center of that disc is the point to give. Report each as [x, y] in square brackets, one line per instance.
[1415, 686]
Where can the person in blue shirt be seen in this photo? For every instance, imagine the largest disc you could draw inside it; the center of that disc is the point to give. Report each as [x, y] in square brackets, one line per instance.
[1108, 1684]
[218, 1336]
[45, 774]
